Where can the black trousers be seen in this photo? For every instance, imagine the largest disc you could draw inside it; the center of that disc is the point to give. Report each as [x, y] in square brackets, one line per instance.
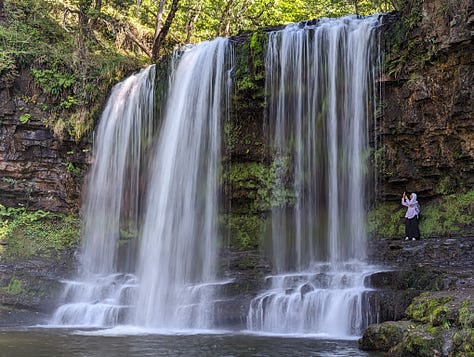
[411, 228]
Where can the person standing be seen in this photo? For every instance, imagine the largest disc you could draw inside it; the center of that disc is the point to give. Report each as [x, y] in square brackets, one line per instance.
[411, 216]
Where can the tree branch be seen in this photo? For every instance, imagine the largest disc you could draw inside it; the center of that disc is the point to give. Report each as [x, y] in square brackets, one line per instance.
[160, 37]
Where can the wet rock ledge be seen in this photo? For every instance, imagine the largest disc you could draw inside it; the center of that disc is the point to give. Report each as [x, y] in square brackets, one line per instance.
[426, 301]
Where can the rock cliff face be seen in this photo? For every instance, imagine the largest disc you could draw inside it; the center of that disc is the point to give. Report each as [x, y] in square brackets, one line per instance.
[37, 171]
[426, 126]
[423, 135]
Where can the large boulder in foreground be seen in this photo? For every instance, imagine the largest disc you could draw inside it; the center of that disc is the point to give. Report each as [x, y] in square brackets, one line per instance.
[438, 324]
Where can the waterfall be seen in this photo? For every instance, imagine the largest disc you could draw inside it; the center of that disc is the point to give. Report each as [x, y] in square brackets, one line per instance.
[113, 204]
[318, 87]
[319, 96]
[101, 295]
[169, 280]
[177, 258]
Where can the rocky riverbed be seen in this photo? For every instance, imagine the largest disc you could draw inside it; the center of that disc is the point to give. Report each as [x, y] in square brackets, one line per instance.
[29, 287]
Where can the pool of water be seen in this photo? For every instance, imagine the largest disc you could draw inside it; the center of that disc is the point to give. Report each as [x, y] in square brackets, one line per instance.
[38, 342]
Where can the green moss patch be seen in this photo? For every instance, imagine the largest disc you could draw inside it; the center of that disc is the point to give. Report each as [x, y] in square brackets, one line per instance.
[250, 69]
[386, 220]
[466, 315]
[245, 231]
[382, 337]
[250, 186]
[417, 342]
[24, 234]
[463, 342]
[14, 287]
[428, 309]
[451, 215]
[436, 320]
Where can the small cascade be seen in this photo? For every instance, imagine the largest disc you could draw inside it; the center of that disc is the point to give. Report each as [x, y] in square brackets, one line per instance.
[105, 301]
[319, 83]
[191, 308]
[325, 300]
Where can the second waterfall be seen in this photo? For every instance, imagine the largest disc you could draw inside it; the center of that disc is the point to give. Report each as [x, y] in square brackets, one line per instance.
[320, 87]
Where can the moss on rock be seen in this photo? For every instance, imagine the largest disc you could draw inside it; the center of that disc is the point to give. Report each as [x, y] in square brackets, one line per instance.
[428, 309]
[417, 342]
[463, 342]
[382, 337]
[386, 220]
[245, 231]
[466, 315]
[438, 321]
[25, 234]
[250, 185]
[450, 215]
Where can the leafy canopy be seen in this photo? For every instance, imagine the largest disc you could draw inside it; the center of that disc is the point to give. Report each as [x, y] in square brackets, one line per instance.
[75, 50]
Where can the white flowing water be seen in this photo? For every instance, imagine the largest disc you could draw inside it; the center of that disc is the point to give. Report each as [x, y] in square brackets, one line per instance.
[172, 283]
[111, 204]
[324, 300]
[319, 93]
[179, 240]
[318, 85]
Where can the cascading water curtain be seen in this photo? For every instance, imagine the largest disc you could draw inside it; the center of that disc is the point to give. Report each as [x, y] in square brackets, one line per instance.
[176, 265]
[319, 92]
[100, 294]
[319, 88]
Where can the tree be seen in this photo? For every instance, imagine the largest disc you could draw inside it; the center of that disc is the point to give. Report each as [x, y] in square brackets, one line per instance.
[192, 17]
[162, 30]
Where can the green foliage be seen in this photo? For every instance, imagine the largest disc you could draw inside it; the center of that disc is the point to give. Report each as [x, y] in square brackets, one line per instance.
[29, 233]
[450, 215]
[435, 318]
[53, 82]
[250, 71]
[466, 315]
[428, 309]
[250, 185]
[40, 35]
[463, 342]
[71, 168]
[386, 220]
[14, 287]
[246, 231]
[24, 118]
[418, 342]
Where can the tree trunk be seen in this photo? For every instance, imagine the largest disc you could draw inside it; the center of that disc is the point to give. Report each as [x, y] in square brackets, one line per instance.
[82, 35]
[2, 14]
[225, 19]
[193, 16]
[162, 30]
[159, 20]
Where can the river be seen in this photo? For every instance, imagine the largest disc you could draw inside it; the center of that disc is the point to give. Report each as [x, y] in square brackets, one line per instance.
[40, 342]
